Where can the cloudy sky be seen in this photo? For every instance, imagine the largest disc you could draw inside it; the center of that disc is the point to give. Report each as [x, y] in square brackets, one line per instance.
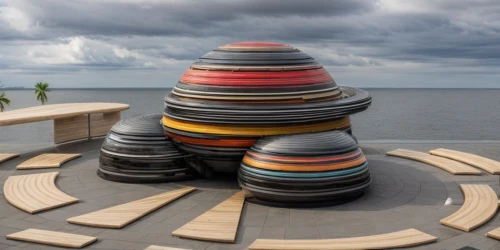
[131, 43]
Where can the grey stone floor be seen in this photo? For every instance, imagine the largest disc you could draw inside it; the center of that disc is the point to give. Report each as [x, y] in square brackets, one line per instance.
[405, 194]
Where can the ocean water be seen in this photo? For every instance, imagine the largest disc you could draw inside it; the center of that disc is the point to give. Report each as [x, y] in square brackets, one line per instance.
[395, 114]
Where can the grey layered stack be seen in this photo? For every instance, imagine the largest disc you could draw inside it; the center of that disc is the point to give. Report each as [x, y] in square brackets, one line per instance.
[137, 150]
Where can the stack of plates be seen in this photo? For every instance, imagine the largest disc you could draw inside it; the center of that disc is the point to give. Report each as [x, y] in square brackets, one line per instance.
[241, 92]
[305, 169]
[137, 150]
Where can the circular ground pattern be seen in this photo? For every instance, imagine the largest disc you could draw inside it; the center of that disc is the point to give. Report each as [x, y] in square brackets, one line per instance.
[404, 194]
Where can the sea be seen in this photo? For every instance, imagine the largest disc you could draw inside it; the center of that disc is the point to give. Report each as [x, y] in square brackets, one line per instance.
[395, 114]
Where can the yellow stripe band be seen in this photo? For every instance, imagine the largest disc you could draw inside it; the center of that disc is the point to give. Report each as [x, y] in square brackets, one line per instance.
[341, 123]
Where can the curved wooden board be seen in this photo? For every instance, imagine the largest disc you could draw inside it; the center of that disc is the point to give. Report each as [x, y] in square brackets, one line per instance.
[480, 205]
[55, 111]
[124, 214]
[35, 192]
[488, 165]
[47, 161]
[217, 224]
[6, 157]
[495, 233]
[451, 166]
[404, 238]
[52, 238]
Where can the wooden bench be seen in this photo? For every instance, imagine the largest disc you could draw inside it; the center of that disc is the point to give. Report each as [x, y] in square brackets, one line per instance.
[47, 161]
[72, 121]
[488, 165]
[480, 205]
[35, 192]
[405, 238]
[451, 166]
[124, 214]
[52, 238]
[6, 157]
[217, 224]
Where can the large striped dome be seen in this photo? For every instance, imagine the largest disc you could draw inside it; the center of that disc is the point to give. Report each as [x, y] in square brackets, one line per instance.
[243, 91]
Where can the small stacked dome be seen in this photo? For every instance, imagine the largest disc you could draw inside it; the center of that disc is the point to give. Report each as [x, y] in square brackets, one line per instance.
[137, 150]
[241, 92]
[305, 169]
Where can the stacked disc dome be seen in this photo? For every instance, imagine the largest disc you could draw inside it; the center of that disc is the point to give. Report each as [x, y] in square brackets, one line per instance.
[136, 150]
[305, 169]
[240, 92]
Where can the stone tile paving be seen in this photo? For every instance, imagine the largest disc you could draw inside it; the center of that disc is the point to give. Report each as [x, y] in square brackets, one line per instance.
[404, 194]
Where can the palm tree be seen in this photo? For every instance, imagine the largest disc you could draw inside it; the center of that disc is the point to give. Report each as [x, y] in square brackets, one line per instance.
[40, 89]
[3, 100]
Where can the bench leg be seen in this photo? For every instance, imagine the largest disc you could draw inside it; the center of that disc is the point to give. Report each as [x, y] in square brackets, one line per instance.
[100, 124]
[71, 128]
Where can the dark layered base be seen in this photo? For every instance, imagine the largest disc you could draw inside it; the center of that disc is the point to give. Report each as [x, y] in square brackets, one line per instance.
[136, 150]
[224, 160]
[304, 191]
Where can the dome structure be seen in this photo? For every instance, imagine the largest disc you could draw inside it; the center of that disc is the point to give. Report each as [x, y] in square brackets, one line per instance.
[241, 92]
[136, 150]
[304, 169]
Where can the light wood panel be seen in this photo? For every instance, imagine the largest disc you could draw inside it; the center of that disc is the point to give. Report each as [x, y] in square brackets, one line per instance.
[124, 214]
[495, 233]
[52, 238]
[71, 128]
[55, 111]
[217, 224]
[6, 157]
[35, 192]
[488, 165]
[480, 205]
[100, 124]
[47, 161]
[451, 166]
[153, 247]
[405, 238]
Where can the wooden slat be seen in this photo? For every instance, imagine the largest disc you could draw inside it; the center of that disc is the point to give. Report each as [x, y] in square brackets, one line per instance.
[5, 157]
[35, 192]
[480, 205]
[52, 238]
[55, 111]
[495, 233]
[47, 161]
[488, 165]
[100, 124]
[124, 214]
[217, 224]
[71, 128]
[405, 238]
[153, 247]
[451, 166]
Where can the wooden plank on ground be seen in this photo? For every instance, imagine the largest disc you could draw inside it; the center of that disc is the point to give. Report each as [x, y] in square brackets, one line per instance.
[124, 214]
[35, 192]
[451, 166]
[495, 233]
[6, 157]
[52, 238]
[480, 205]
[488, 165]
[217, 224]
[404, 238]
[47, 161]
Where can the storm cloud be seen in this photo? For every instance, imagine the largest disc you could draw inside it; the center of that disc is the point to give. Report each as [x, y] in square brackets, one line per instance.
[111, 43]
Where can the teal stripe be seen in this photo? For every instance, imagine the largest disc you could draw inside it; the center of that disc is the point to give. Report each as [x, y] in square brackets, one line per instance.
[306, 174]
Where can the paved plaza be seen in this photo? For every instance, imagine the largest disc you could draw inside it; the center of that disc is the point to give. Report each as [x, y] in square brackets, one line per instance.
[404, 194]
